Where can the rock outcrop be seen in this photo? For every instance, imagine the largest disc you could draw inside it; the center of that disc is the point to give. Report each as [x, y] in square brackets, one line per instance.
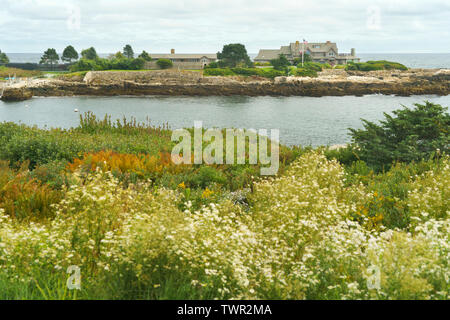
[329, 83]
[16, 94]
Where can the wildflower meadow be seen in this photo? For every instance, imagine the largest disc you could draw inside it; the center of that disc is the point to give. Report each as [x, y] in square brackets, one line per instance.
[361, 222]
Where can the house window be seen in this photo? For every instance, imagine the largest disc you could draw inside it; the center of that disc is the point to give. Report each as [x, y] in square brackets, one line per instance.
[316, 46]
[331, 54]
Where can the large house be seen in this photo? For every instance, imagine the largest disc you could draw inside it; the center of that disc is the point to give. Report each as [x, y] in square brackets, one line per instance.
[325, 52]
[184, 61]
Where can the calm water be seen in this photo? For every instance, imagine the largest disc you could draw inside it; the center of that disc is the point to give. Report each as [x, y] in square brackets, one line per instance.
[301, 120]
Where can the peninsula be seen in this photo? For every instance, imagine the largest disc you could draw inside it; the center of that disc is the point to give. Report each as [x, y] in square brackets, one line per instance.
[329, 82]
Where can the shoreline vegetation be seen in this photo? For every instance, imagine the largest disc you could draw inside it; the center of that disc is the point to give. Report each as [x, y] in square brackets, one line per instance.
[105, 196]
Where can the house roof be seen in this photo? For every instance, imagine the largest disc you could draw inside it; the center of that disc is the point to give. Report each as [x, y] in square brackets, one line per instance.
[323, 46]
[268, 54]
[212, 56]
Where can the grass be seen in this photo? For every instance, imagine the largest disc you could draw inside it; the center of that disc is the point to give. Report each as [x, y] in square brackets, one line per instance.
[19, 73]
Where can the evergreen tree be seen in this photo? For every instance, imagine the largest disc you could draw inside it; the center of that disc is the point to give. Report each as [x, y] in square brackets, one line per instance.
[128, 52]
[89, 54]
[69, 54]
[3, 57]
[50, 57]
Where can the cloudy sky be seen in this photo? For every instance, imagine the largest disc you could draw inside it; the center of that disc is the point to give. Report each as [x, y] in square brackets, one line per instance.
[205, 25]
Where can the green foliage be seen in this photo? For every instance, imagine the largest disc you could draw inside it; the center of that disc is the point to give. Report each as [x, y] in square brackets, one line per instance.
[306, 58]
[115, 62]
[409, 135]
[375, 65]
[266, 73]
[84, 65]
[346, 156]
[3, 58]
[281, 63]
[218, 72]
[128, 51]
[246, 71]
[233, 55]
[89, 54]
[207, 176]
[212, 65]
[270, 73]
[69, 54]
[137, 64]
[50, 57]
[164, 63]
[144, 55]
[306, 72]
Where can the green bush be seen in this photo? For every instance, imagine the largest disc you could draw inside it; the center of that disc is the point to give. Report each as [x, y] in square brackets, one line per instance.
[305, 72]
[270, 73]
[375, 65]
[207, 176]
[312, 66]
[218, 72]
[164, 63]
[39, 148]
[100, 64]
[212, 65]
[409, 135]
[266, 73]
[246, 71]
[281, 63]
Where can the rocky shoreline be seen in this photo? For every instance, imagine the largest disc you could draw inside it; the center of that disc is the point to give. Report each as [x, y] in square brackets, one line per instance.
[329, 83]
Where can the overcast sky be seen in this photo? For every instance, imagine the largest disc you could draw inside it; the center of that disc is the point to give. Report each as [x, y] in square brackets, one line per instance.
[205, 25]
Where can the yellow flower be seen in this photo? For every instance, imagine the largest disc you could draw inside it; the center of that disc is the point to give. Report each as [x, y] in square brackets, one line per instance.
[207, 193]
[182, 185]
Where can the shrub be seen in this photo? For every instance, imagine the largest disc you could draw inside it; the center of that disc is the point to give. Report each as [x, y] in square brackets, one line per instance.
[117, 62]
[206, 176]
[270, 73]
[164, 63]
[375, 65]
[212, 65]
[280, 63]
[304, 72]
[245, 71]
[218, 72]
[24, 198]
[429, 197]
[408, 135]
[312, 66]
[126, 166]
[39, 148]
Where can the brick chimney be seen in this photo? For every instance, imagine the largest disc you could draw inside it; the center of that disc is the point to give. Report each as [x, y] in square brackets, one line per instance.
[172, 51]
